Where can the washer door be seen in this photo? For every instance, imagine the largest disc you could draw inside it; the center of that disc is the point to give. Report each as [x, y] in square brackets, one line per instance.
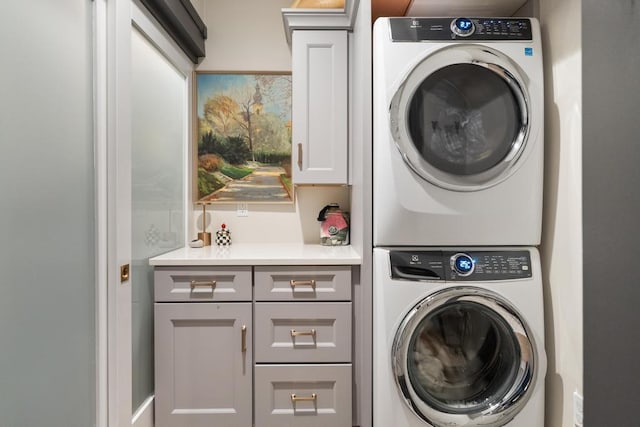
[463, 356]
[461, 117]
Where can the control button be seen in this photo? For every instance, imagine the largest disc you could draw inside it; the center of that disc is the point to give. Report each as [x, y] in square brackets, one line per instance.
[462, 264]
[462, 27]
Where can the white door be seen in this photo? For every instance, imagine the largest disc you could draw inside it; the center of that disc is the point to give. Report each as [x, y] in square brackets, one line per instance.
[147, 102]
[205, 365]
[319, 64]
[47, 220]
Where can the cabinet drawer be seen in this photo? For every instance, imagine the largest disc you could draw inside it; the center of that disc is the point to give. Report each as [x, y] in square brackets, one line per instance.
[302, 395]
[302, 332]
[317, 283]
[202, 284]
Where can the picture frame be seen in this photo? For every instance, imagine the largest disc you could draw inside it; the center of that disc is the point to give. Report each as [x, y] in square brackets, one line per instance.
[242, 133]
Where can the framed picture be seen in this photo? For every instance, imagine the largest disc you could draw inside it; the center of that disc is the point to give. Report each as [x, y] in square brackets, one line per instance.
[243, 137]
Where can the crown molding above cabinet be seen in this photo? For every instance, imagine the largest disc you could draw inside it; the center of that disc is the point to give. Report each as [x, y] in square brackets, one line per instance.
[319, 18]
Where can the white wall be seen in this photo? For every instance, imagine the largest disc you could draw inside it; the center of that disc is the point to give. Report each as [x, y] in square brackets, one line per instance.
[562, 227]
[248, 35]
[244, 35]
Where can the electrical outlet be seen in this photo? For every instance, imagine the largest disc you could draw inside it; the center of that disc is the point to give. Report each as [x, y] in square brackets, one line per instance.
[578, 409]
[242, 209]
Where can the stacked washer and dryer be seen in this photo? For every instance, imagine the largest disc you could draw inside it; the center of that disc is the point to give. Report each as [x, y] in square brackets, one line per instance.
[457, 212]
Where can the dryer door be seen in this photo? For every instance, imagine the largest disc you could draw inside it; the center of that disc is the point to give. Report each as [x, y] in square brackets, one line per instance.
[460, 118]
[464, 356]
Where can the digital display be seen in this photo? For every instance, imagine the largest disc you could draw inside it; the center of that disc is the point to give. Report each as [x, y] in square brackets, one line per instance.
[464, 24]
[463, 264]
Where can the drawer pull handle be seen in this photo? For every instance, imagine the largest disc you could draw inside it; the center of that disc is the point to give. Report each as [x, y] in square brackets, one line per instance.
[205, 283]
[311, 398]
[311, 333]
[295, 283]
[300, 156]
[244, 339]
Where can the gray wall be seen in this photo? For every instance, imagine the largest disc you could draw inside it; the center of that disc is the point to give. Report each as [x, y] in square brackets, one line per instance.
[47, 283]
[611, 211]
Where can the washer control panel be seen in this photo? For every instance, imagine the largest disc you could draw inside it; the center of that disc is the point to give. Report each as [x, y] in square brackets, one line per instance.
[439, 29]
[489, 265]
[461, 265]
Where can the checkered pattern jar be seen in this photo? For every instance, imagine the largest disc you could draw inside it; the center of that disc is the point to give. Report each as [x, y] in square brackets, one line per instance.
[223, 236]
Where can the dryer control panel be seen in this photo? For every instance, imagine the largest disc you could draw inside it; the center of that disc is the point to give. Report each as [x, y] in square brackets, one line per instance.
[462, 265]
[448, 29]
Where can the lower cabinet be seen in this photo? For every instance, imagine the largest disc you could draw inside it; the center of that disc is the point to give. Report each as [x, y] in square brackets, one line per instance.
[204, 364]
[279, 356]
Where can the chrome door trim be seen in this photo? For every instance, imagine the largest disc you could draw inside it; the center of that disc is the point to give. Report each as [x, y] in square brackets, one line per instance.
[482, 56]
[495, 413]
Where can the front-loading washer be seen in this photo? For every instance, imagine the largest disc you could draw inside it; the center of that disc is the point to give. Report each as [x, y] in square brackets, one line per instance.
[458, 131]
[458, 337]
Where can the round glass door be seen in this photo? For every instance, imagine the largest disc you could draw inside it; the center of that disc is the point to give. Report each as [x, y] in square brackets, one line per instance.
[460, 118]
[461, 354]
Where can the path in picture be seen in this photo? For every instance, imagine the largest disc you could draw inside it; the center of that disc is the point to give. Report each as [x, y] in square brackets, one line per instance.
[263, 184]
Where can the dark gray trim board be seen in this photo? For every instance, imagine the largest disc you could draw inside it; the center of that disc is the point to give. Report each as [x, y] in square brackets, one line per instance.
[182, 22]
[611, 211]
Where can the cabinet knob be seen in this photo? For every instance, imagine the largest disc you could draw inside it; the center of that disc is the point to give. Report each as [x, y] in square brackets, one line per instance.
[244, 339]
[205, 283]
[311, 333]
[296, 398]
[295, 283]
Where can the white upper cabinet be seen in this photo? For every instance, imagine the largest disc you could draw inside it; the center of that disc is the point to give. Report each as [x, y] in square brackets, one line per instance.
[320, 104]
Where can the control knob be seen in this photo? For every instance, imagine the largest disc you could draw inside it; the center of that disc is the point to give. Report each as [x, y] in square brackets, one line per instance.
[462, 27]
[462, 264]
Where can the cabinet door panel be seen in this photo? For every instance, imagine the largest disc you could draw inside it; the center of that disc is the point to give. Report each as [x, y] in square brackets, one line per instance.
[303, 332]
[303, 395]
[319, 65]
[203, 364]
[304, 283]
[202, 284]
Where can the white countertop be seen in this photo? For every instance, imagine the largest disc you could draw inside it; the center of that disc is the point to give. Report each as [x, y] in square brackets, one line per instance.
[260, 254]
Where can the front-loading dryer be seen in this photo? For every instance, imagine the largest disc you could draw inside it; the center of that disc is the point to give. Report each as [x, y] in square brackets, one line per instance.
[458, 337]
[458, 131]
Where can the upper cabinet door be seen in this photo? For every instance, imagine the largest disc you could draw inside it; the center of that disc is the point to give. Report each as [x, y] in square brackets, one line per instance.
[320, 99]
